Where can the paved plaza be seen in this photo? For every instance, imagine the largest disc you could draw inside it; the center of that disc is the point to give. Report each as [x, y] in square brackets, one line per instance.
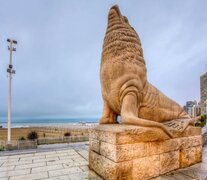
[70, 161]
[47, 162]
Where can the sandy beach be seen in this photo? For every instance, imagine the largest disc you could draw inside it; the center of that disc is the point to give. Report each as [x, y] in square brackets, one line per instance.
[47, 131]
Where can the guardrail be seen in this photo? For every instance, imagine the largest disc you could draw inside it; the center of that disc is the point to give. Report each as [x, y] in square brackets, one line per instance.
[32, 144]
[18, 145]
[68, 139]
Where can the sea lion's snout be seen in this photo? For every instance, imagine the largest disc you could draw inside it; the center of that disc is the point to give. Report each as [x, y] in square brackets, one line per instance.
[114, 12]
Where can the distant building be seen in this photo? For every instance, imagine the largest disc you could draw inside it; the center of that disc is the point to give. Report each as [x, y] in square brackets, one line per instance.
[203, 93]
[192, 108]
[196, 111]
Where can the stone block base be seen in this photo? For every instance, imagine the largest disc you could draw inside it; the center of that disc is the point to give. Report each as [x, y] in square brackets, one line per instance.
[117, 153]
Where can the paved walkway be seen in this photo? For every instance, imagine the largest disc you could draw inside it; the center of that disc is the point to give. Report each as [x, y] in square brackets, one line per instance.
[66, 161]
[70, 161]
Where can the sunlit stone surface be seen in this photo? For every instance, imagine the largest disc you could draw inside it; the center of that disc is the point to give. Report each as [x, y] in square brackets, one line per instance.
[71, 163]
[117, 151]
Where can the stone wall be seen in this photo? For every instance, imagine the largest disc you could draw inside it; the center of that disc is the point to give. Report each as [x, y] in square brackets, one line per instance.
[123, 152]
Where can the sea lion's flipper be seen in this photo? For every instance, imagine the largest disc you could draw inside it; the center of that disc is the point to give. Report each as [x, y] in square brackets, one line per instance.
[129, 114]
[180, 124]
[109, 116]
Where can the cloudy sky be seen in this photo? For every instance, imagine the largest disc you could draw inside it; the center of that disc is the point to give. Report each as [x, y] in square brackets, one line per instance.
[59, 49]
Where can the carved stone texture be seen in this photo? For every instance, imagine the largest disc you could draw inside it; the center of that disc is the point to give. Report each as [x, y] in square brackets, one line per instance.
[94, 145]
[119, 153]
[131, 148]
[125, 88]
[147, 167]
[133, 158]
[127, 134]
[191, 156]
[191, 141]
[169, 161]
[108, 169]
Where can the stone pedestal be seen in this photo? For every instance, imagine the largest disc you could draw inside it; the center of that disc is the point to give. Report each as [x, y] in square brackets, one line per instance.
[132, 152]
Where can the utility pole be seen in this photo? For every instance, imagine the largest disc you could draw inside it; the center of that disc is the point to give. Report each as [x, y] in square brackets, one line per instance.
[10, 72]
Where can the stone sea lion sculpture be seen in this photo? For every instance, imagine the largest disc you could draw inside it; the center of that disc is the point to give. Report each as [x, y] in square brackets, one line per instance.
[125, 88]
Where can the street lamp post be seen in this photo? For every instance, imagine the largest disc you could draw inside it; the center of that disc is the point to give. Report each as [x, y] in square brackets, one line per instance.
[10, 72]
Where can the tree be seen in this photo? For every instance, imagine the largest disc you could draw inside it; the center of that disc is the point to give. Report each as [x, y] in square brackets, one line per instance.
[67, 134]
[32, 135]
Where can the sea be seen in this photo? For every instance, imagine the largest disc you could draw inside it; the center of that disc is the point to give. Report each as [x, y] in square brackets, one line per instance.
[37, 122]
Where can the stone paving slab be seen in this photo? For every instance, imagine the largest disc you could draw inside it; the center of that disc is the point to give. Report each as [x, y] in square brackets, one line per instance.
[64, 171]
[15, 163]
[30, 176]
[71, 163]
[7, 174]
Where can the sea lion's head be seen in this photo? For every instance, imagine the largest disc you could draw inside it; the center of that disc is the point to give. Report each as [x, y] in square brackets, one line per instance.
[121, 39]
[115, 16]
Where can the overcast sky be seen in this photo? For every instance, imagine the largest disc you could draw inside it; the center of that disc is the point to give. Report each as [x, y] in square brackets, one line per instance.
[59, 50]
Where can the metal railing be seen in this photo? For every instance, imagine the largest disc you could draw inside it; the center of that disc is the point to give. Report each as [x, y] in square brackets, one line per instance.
[66, 139]
[18, 145]
[32, 144]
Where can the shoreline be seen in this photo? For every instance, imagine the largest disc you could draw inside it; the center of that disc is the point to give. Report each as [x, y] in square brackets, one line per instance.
[31, 125]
